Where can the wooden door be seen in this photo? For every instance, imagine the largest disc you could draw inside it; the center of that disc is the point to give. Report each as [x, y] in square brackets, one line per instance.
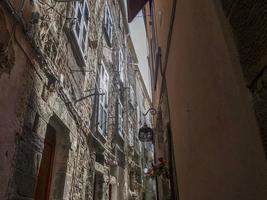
[98, 186]
[110, 191]
[42, 190]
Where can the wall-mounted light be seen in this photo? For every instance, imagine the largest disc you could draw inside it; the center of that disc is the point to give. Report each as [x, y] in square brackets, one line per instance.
[146, 133]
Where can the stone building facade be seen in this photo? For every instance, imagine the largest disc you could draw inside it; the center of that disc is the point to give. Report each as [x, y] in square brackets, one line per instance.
[69, 114]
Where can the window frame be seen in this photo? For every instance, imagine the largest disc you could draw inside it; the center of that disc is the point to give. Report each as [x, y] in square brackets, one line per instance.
[108, 23]
[103, 87]
[79, 44]
[120, 65]
[131, 133]
[120, 118]
[132, 96]
[83, 24]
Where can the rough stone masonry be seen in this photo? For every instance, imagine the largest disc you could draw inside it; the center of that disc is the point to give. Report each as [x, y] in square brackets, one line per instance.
[49, 102]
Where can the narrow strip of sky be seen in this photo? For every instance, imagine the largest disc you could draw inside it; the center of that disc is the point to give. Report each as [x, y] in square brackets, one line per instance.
[138, 34]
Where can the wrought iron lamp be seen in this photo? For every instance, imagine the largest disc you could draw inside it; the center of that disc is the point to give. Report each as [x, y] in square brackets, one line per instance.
[146, 133]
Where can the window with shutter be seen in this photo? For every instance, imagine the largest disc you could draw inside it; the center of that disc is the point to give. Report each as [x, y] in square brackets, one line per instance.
[132, 96]
[131, 133]
[108, 23]
[81, 25]
[120, 65]
[137, 145]
[120, 20]
[103, 100]
[120, 118]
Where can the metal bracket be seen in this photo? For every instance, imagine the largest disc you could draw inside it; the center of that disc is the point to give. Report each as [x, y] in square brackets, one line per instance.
[90, 95]
[152, 110]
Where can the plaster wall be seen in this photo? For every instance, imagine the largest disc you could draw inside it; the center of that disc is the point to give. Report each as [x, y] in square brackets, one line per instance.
[216, 139]
[12, 107]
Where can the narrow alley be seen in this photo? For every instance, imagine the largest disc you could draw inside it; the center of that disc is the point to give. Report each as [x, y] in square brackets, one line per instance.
[133, 100]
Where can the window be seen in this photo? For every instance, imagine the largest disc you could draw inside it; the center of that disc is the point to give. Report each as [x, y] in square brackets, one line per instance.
[108, 23]
[121, 65]
[103, 80]
[132, 96]
[81, 25]
[120, 118]
[119, 20]
[131, 133]
[138, 146]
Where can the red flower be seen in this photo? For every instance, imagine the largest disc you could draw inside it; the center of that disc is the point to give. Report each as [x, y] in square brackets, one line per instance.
[162, 160]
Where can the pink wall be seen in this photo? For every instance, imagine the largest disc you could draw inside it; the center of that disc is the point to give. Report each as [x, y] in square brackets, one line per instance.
[216, 139]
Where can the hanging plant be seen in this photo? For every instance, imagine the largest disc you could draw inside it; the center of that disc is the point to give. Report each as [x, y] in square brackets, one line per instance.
[160, 169]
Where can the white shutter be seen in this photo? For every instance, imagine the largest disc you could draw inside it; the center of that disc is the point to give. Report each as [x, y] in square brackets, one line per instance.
[108, 22]
[120, 118]
[103, 99]
[121, 65]
[132, 99]
[81, 26]
[106, 81]
[131, 133]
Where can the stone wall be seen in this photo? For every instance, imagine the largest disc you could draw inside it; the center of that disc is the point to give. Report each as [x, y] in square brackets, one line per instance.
[43, 83]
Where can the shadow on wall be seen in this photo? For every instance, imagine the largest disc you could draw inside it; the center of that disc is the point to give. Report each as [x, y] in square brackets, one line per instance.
[41, 160]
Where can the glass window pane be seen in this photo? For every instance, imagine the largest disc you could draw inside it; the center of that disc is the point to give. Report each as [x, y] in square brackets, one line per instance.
[79, 16]
[77, 29]
[86, 14]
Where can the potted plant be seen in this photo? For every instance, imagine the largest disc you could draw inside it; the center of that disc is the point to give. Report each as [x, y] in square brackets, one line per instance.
[160, 169]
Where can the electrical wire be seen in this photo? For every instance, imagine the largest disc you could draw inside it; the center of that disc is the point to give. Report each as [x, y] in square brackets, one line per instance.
[10, 37]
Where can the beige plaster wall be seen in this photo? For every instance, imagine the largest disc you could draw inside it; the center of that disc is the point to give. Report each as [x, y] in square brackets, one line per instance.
[217, 144]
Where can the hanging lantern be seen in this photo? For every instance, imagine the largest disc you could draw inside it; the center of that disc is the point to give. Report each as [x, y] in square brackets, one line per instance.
[145, 134]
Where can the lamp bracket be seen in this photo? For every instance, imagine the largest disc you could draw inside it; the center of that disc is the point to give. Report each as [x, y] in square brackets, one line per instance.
[152, 110]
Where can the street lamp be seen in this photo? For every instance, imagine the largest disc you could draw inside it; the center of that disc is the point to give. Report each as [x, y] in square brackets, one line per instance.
[146, 133]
